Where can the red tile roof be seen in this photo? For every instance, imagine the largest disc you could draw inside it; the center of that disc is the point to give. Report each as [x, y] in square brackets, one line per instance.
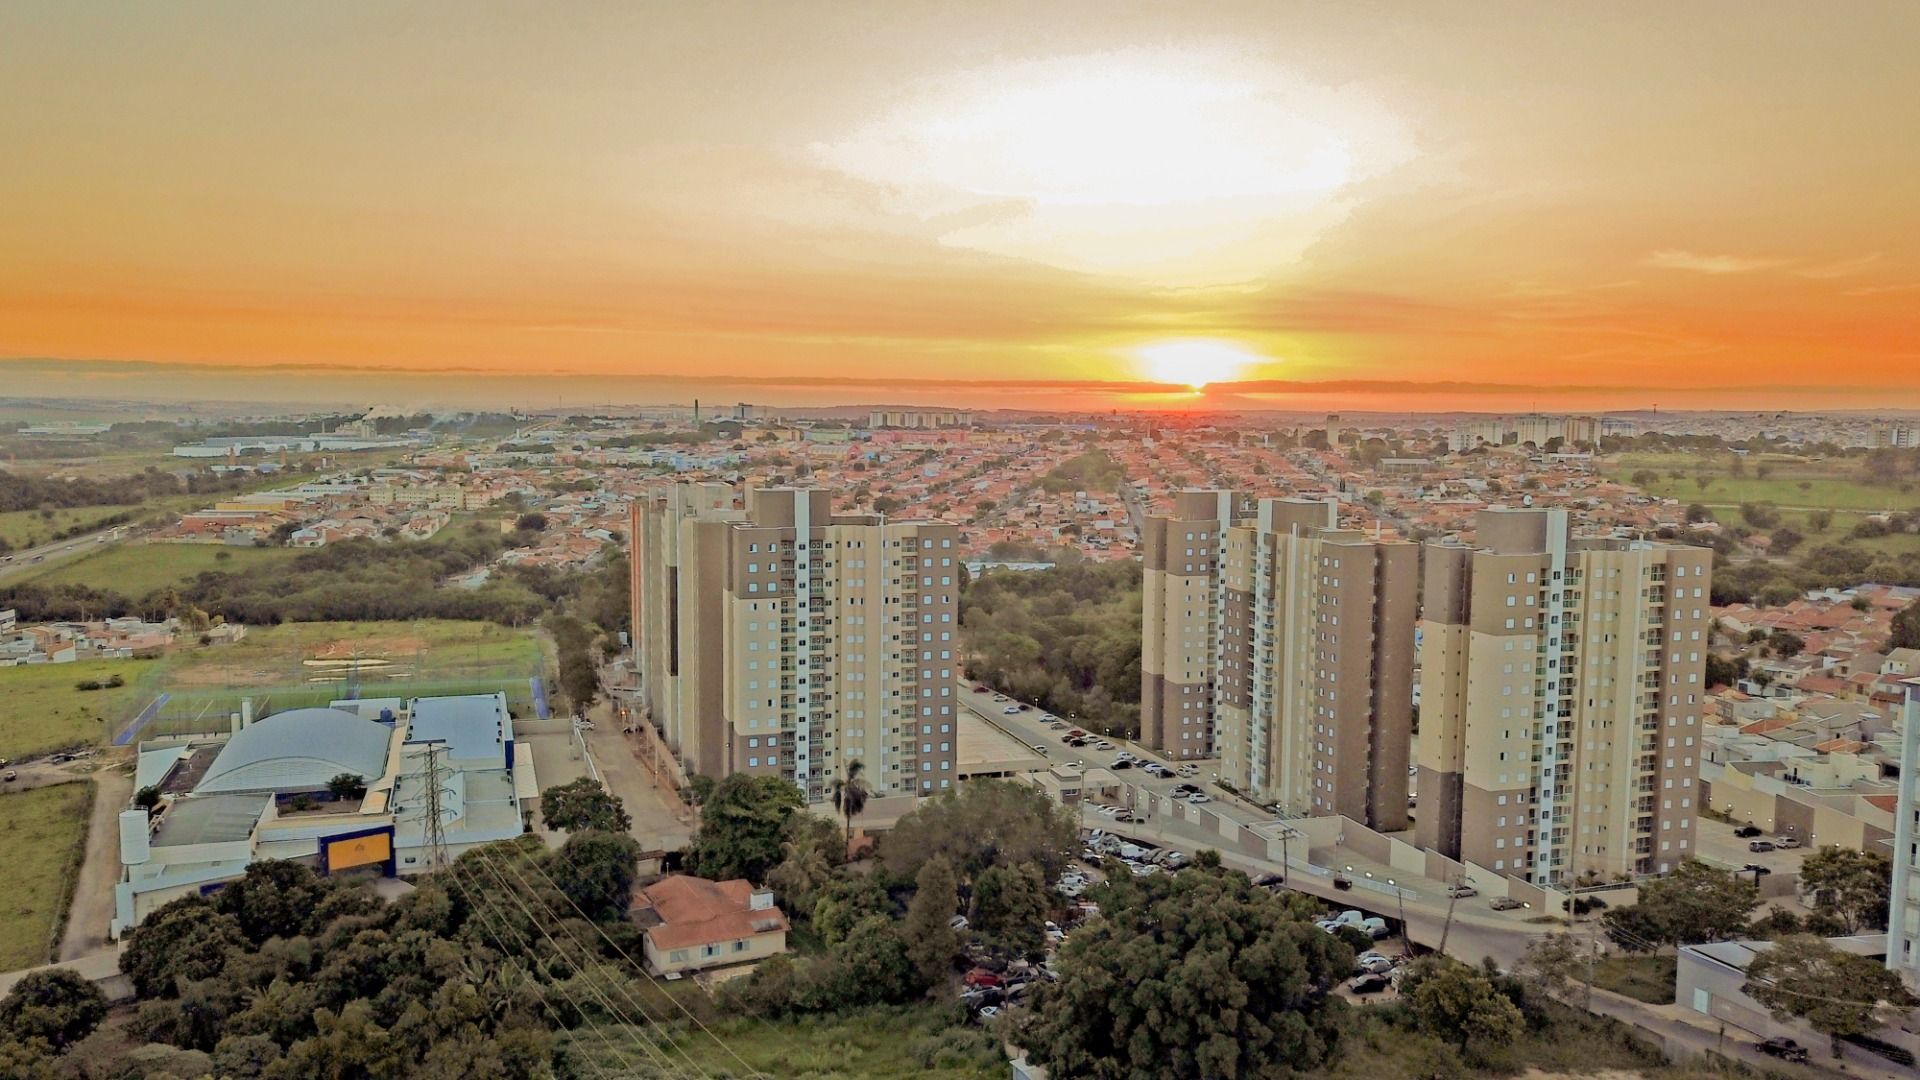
[695, 911]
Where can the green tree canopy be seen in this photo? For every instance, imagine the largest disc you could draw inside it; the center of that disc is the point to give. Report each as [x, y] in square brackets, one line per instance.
[743, 822]
[980, 824]
[1695, 903]
[1010, 905]
[931, 940]
[1851, 885]
[1837, 993]
[1452, 1001]
[59, 1006]
[583, 804]
[1198, 974]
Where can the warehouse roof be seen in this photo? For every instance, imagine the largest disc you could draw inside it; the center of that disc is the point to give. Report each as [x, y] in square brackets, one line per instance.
[298, 750]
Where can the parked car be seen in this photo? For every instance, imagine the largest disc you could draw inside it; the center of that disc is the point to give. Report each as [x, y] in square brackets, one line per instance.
[980, 977]
[1039, 749]
[1120, 763]
[1458, 892]
[1783, 1048]
[958, 922]
[1199, 797]
[1760, 845]
[12, 776]
[1375, 928]
[1369, 983]
[1756, 869]
[1378, 965]
[1786, 842]
[1745, 831]
[1010, 710]
[1504, 903]
[988, 1012]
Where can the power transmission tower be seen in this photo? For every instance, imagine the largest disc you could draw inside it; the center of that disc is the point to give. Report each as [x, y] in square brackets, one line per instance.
[436, 829]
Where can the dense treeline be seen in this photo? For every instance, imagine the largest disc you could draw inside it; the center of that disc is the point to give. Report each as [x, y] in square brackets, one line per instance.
[1091, 471]
[1066, 639]
[352, 580]
[286, 974]
[21, 492]
[1837, 566]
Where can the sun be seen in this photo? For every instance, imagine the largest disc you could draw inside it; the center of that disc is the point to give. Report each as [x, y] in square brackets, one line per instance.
[1195, 363]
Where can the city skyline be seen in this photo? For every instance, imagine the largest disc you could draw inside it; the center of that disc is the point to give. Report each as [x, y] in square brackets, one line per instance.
[1295, 208]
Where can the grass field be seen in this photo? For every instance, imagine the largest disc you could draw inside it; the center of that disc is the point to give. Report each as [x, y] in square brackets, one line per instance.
[297, 665]
[136, 569]
[23, 529]
[1643, 978]
[1791, 482]
[42, 839]
[873, 1044]
[45, 712]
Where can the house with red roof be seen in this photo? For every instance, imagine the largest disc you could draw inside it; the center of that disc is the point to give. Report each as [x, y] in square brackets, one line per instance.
[692, 924]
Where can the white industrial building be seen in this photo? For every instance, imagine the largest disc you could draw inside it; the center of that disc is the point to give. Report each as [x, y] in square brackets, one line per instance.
[262, 793]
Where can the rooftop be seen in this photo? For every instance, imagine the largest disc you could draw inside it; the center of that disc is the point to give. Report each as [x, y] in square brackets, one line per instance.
[213, 819]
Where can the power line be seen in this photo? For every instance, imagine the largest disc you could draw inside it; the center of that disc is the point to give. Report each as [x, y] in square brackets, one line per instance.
[505, 952]
[657, 1057]
[604, 936]
[494, 868]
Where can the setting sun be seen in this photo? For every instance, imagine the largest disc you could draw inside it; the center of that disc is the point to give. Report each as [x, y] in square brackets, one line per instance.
[1194, 363]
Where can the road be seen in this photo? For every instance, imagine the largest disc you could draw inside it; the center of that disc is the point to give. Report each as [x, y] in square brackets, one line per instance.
[92, 910]
[33, 560]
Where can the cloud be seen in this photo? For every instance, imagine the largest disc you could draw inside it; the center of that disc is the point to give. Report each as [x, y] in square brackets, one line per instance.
[1839, 267]
[1676, 259]
[1880, 290]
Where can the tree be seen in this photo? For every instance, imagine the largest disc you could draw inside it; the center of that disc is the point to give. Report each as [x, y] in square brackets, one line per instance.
[1698, 514]
[930, 937]
[1450, 1000]
[1786, 644]
[347, 786]
[58, 1005]
[807, 862]
[742, 825]
[1906, 628]
[148, 798]
[983, 823]
[1010, 908]
[535, 522]
[850, 793]
[1819, 520]
[1553, 961]
[184, 939]
[583, 804]
[275, 898]
[1837, 993]
[1198, 974]
[1695, 903]
[1853, 886]
[596, 870]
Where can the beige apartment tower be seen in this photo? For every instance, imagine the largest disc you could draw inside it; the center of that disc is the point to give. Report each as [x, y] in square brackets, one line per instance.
[1285, 645]
[1180, 619]
[1314, 696]
[780, 639]
[1562, 681]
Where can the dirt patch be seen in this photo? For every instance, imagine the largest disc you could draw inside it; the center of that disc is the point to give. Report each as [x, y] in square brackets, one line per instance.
[1604, 1074]
[371, 645]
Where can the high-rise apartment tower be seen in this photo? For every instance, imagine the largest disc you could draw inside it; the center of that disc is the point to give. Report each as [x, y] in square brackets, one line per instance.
[782, 639]
[1562, 682]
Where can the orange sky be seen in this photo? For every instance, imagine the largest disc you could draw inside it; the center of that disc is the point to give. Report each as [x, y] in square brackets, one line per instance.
[1501, 206]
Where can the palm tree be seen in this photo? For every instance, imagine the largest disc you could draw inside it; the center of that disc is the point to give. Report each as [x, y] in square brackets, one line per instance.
[850, 794]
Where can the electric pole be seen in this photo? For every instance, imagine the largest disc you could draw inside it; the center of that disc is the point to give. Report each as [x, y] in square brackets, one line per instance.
[436, 828]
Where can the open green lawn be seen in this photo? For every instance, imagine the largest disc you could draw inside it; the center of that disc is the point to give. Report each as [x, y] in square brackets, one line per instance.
[297, 665]
[1643, 978]
[1791, 482]
[45, 711]
[22, 529]
[136, 569]
[42, 840]
[873, 1044]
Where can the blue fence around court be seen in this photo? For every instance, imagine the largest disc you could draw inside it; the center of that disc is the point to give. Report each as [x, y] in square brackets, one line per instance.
[141, 721]
[540, 708]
